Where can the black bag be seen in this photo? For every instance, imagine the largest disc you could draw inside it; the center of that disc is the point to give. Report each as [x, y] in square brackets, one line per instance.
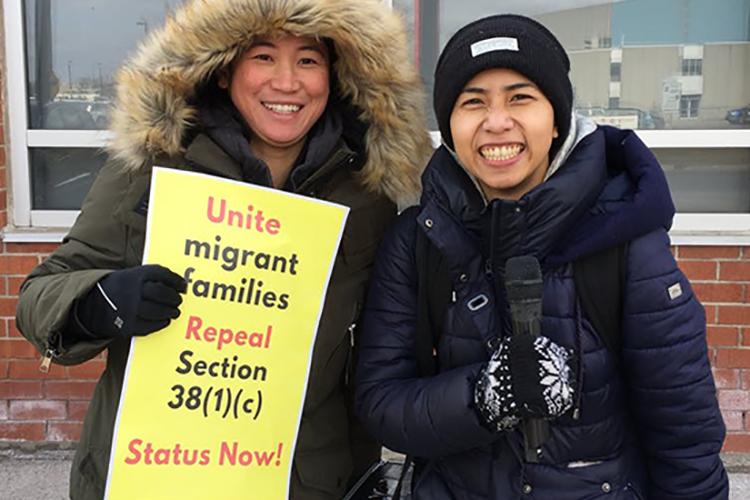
[381, 482]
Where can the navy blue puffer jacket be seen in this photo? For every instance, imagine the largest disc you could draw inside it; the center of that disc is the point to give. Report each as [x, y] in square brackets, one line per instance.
[646, 427]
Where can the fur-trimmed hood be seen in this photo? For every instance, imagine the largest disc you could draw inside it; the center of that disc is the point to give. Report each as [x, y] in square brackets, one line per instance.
[153, 110]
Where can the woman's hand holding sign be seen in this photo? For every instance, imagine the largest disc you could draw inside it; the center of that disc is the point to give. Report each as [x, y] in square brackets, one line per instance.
[130, 302]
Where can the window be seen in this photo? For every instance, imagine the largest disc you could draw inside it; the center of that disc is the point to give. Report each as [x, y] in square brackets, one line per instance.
[615, 69]
[61, 57]
[708, 180]
[692, 67]
[676, 71]
[689, 106]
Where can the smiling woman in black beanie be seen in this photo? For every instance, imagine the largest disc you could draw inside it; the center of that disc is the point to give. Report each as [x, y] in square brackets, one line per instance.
[617, 384]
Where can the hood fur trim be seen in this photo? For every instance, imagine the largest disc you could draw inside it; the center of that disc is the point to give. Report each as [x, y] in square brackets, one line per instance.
[152, 112]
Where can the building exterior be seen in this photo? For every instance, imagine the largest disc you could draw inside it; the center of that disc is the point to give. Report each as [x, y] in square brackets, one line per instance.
[676, 70]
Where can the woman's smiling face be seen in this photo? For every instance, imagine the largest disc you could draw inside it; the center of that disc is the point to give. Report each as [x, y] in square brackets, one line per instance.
[502, 127]
[280, 86]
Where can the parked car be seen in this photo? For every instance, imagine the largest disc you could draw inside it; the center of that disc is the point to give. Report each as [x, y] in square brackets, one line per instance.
[739, 115]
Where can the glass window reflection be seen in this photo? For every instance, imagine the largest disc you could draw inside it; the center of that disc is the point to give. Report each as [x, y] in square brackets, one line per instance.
[648, 64]
[708, 180]
[74, 48]
[61, 177]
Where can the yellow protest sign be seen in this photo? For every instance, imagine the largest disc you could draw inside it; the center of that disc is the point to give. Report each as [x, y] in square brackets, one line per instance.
[211, 405]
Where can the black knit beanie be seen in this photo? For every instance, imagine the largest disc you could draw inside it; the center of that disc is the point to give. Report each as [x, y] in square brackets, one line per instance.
[504, 41]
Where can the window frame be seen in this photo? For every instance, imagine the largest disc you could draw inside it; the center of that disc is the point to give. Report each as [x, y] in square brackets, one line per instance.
[28, 225]
[692, 106]
[692, 67]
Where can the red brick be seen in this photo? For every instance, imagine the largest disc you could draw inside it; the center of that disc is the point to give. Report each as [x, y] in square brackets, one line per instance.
[736, 443]
[68, 390]
[64, 431]
[3, 369]
[746, 253]
[720, 292]
[733, 358]
[38, 410]
[3, 219]
[734, 271]
[3, 410]
[90, 370]
[703, 252]
[13, 331]
[723, 335]
[17, 349]
[734, 315]
[14, 431]
[3, 202]
[734, 400]
[733, 420]
[8, 307]
[698, 270]
[2, 134]
[712, 314]
[726, 378]
[14, 285]
[2, 156]
[29, 370]
[17, 264]
[77, 410]
[24, 389]
[3, 328]
[746, 418]
[36, 248]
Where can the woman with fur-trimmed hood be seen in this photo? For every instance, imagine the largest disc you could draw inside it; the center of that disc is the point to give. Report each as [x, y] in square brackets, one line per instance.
[314, 97]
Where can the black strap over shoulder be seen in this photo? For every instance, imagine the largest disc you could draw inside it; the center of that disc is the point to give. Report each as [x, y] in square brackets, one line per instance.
[433, 295]
[599, 280]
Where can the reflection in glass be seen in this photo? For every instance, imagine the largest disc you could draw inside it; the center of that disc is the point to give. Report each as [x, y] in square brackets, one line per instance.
[649, 64]
[74, 48]
[61, 177]
[708, 180]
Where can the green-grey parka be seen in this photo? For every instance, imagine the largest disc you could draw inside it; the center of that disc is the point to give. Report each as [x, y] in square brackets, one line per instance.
[152, 120]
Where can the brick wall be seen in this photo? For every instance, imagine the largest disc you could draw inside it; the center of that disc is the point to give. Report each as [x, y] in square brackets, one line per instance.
[35, 406]
[721, 278]
[38, 407]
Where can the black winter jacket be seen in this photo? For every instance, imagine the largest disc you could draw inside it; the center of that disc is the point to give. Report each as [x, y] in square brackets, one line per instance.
[651, 430]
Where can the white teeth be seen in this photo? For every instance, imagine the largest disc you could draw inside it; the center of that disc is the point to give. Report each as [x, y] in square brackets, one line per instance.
[283, 108]
[501, 153]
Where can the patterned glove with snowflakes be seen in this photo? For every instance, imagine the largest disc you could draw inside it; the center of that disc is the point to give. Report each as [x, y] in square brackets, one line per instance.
[526, 377]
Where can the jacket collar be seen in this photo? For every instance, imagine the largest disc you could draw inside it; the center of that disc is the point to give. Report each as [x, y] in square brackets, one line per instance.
[609, 190]
[223, 123]
[635, 201]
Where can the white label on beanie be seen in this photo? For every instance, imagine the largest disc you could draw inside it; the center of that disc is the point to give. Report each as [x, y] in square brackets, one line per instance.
[493, 44]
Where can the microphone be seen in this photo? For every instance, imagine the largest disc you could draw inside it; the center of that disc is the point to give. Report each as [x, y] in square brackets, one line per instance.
[523, 286]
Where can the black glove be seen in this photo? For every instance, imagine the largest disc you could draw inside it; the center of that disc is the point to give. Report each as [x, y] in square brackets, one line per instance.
[526, 377]
[135, 301]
